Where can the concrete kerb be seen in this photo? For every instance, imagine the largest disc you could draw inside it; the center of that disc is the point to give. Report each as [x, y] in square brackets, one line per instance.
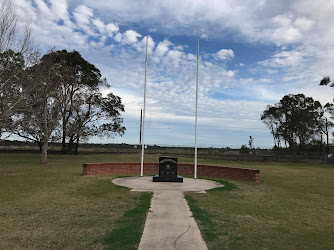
[169, 224]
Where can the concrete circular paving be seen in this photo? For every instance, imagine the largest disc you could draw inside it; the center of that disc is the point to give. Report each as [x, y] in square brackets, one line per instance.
[146, 184]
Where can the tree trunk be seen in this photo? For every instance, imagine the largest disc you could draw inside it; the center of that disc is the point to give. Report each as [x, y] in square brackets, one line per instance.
[76, 146]
[63, 143]
[40, 145]
[44, 154]
[70, 145]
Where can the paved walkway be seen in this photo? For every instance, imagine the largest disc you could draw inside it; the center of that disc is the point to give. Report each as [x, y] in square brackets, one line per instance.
[169, 224]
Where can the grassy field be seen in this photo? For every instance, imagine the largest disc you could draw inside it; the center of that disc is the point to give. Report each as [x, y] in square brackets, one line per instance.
[54, 207]
[291, 208]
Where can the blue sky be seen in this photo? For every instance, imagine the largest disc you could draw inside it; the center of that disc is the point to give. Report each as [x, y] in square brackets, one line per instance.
[252, 53]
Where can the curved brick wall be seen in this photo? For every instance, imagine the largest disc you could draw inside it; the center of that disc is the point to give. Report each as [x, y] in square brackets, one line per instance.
[183, 169]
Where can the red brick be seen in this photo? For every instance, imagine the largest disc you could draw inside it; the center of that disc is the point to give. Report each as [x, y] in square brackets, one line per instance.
[183, 169]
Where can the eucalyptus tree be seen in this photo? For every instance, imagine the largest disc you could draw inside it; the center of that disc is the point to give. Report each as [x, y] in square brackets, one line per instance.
[68, 104]
[11, 75]
[295, 119]
[39, 113]
[326, 125]
[270, 118]
[77, 78]
[16, 53]
[95, 115]
[82, 106]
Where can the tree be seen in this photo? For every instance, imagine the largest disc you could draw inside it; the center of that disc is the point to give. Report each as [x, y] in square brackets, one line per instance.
[96, 116]
[295, 119]
[11, 73]
[66, 103]
[325, 125]
[16, 52]
[78, 77]
[244, 149]
[270, 117]
[39, 112]
[81, 101]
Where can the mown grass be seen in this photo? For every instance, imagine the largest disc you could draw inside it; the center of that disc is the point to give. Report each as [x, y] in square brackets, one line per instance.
[205, 218]
[129, 228]
[291, 208]
[54, 207]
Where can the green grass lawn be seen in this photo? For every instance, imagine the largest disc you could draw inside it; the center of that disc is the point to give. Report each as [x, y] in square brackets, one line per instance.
[54, 207]
[291, 208]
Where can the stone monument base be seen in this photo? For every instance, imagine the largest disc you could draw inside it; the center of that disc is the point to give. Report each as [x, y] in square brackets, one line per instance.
[158, 178]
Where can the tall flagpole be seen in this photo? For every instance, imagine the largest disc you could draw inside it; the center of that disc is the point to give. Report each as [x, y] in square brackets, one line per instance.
[143, 126]
[195, 165]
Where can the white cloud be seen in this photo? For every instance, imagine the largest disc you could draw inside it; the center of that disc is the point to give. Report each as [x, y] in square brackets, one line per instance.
[83, 16]
[162, 48]
[224, 54]
[60, 10]
[130, 36]
[111, 28]
[303, 23]
[104, 29]
[118, 37]
[284, 59]
[99, 25]
[141, 45]
[302, 32]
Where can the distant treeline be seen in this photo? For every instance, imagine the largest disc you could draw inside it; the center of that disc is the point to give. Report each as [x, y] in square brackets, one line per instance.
[242, 154]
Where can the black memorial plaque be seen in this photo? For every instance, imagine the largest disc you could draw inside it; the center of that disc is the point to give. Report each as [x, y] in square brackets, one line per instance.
[167, 170]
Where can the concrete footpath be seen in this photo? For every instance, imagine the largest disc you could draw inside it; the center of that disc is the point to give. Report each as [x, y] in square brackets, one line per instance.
[169, 224]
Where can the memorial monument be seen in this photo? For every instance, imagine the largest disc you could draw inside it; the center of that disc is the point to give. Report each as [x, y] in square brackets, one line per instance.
[167, 170]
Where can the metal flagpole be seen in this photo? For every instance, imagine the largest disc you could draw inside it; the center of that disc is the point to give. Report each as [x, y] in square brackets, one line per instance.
[143, 126]
[195, 165]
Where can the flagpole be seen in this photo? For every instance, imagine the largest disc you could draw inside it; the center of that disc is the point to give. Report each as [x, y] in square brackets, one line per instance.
[195, 165]
[143, 126]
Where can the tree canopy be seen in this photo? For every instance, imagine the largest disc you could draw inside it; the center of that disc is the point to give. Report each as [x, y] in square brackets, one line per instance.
[295, 120]
[66, 103]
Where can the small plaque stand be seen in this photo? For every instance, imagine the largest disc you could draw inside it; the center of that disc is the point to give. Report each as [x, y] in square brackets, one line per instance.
[167, 171]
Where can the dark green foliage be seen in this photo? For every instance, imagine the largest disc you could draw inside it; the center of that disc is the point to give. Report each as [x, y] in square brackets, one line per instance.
[244, 149]
[294, 120]
[66, 103]
[129, 229]
[89, 75]
[325, 81]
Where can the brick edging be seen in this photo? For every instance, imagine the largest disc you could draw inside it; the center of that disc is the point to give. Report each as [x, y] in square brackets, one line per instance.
[183, 169]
